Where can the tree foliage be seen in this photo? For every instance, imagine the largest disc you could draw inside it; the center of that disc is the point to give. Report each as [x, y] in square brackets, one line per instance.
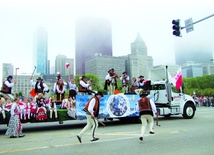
[203, 85]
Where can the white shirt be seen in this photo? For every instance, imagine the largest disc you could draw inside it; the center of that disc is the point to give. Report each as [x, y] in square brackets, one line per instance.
[91, 105]
[10, 85]
[38, 85]
[83, 84]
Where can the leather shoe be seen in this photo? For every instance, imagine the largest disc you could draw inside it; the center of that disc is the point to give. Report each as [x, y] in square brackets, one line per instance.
[141, 138]
[20, 136]
[78, 137]
[95, 139]
[13, 136]
[151, 132]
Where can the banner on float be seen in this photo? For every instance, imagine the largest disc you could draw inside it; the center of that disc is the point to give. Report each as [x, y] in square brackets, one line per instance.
[111, 106]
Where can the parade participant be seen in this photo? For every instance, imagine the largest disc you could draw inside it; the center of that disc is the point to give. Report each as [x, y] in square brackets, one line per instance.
[2, 109]
[22, 107]
[40, 86]
[70, 104]
[141, 81]
[7, 86]
[134, 85]
[15, 126]
[41, 113]
[60, 90]
[33, 107]
[83, 86]
[26, 108]
[52, 108]
[111, 81]
[125, 82]
[146, 108]
[73, 89]
[8, 104]
[92, 112]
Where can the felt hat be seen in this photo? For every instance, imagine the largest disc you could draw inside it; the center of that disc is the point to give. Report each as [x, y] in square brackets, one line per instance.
[39, 78]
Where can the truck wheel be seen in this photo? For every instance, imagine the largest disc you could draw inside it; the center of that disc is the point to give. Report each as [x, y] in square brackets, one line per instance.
[189, 111]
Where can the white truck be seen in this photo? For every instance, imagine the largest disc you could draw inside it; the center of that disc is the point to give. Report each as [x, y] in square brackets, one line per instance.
[169, 101]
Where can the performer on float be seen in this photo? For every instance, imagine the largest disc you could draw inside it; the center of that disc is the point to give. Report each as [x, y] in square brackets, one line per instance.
[83, 86]
[71, 107]
[41, 113]
[125, 82]
[2, 111]
[8, 104]
[60, 88]
[111, 81]
[7, 87]
[26, 108]
[40, 86]
[73, 89]
[134, 85]
[52, 108]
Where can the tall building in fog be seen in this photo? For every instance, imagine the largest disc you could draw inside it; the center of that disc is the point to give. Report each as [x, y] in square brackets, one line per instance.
[60, 65]
[93, 35]
[40, 56]
[138, 62]
[195, 52]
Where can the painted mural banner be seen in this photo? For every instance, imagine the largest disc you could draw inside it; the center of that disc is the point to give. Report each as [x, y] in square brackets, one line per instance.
[111, 106]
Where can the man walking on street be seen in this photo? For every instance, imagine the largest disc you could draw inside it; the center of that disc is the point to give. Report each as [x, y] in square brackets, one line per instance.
[92, 112]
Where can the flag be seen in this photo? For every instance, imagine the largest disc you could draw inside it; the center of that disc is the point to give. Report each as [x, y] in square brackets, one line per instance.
[67, 65]
[178, 79]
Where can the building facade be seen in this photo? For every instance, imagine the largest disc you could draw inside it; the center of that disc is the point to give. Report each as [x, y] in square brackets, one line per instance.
[92, 35]
[100, 65]
[60, 65]
[7, 69]
[138, 62]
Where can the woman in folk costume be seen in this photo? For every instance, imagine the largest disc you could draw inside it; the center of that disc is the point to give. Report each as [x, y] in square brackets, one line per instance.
[15, 125]
[26, 108]
[71, 107]
[8, 104]
[33, 107]
[73, 89]
[2, 109]
[41, 113]
[22, 107]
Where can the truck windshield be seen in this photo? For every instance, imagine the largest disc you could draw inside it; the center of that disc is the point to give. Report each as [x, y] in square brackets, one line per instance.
[158, 87]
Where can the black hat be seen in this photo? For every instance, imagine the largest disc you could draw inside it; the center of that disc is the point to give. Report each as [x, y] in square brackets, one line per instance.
[112, 69]
[83, 77]
[143, 93]
[124, 72]
[39, 78]
[10, 76]
[141, 76]
[99, 93]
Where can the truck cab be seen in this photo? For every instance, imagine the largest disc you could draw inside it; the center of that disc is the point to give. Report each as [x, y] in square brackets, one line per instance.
[170, 101]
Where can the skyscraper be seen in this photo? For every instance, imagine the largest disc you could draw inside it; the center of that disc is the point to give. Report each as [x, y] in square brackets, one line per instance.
[93, 35]
[60, 65]
[40, 58]
[138, 62]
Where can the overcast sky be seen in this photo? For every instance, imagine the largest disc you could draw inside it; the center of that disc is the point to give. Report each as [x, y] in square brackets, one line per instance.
[151, 18]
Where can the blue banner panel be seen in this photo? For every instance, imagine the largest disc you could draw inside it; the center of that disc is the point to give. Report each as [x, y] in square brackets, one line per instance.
[111, 106]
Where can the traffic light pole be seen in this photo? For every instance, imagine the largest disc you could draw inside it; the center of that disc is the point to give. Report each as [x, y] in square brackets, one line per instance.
[199, 20]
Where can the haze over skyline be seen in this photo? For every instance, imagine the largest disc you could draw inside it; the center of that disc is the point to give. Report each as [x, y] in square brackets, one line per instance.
[151, 19]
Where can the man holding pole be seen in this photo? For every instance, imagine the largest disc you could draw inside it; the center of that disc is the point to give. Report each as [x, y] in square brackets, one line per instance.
[92, 112]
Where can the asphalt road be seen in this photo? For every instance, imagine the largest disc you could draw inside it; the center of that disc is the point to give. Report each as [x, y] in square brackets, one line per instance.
[175, 136]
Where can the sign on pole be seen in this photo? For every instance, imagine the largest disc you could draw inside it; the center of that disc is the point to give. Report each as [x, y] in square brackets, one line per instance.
[189, 25]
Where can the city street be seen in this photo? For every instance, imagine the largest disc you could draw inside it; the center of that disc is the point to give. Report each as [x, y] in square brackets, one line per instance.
[174, 136]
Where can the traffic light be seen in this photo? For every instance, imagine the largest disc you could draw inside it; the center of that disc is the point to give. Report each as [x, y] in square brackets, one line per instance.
[176, 28]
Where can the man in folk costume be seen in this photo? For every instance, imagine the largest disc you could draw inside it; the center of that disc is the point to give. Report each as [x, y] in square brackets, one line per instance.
[40, 86]
[140, 84]
[125, 82]
[111, 81]
[147, 109]
[92, 112]
[83, 86]
[7, 87]
[60, 88]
